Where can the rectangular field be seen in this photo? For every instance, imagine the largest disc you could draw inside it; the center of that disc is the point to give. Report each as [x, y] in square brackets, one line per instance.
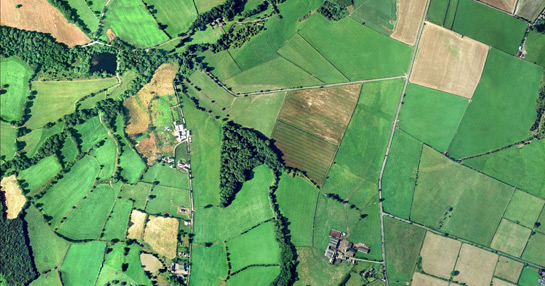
[378, 15]
[116, 226]
[166, 176]
[161, 234]
[209, 265]
[8, 134]
[82, 263]
[510, 238]
[137, 193]
[508, 269]
[534, 249]
[167, 200]
[524, 209]
[535, 48]
[112, 268]
[14, 77]
[258, 111]
[529, 9]
[439, 255]
[475, 266]
[409, 16]
[248, 249]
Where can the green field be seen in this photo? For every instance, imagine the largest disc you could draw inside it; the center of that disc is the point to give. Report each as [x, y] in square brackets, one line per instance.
[258, 111]
[250, 207]
[458, 200]
[92, 213]
[528, 277]
[166, 176]
[8, 134]
[34, 177]
[48, 249]
[357, 51]
[131, 164]
[97, 5]
[489, 26]
[529, 9]
[35, 139]
[398, 181]
[527, 161]
[535, 48]
[297, 201]
[82, 263]
[137, 193]
[313, 268]
[510, 238]
[116, 225]
[85, 14]
[14, 79]
[503, 106]
[176, 15]
[437, 11]
[209, 265]
[167, 200]
[90, 102]
[90, 133]
[112, 267]
[302, 54]
[205, 5]
[51, 278]
[68, 191]
[254, 276]
[378, 15]
[534, 249]
[58, 98]
[330, 214]
[257, 246]
[431, 116]
[124, 15]
[402, 243]
[106, 156]
[524, 208]
[69, 150]
[222, 64]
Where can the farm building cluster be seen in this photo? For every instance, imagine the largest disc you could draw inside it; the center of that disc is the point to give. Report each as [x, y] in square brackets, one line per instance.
[339, 249]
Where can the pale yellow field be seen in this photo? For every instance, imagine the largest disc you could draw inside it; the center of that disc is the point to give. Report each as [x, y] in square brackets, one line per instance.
[512, 242]
[150, 263]
[409, 16]
[420, 279]
[161, 234]
[136, 225]
[439, 255]
[499, 282]
[14, 197]
[505, 5]
[508, 269]
[475, 265]
[448, 62]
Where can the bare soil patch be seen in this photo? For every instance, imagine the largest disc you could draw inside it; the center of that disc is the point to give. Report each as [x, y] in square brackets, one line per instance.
[136, 225]
[439, 255]
[508, 269]
[448, 62]
[425, 280]
[409, 16]
[150, 263]
[161, 234]
[505, 5]
[475, 266]
[40, 16]
[14, 197]
[323, 112]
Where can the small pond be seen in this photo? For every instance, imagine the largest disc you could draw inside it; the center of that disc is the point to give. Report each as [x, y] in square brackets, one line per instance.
[104, 62]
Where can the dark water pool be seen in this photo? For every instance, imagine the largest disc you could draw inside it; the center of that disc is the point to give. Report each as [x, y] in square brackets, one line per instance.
[104, 62]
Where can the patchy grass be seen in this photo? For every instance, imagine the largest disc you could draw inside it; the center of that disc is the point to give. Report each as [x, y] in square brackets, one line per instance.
[162, 235]
[131, 164]
[313, 268]
[378, 15]
[106, 156]
[508, 269]
[510, 238]
[136, 224]
[112, 268]
[137, 193]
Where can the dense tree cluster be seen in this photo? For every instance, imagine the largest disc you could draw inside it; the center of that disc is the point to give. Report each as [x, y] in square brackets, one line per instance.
[70, 14]
[539, 124]
[236, 38]
[227, 10]
[243, 149]
[332, 10]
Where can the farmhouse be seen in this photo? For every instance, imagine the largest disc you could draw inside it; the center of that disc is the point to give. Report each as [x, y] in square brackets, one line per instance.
[340, 249]
[180, 131]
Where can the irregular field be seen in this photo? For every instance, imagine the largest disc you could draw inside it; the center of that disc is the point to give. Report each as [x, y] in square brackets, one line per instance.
[162, 235]
[508, 269]
[15, 74]
[112, 268]
[409, 16]
[39, 15]
[69, 151]
[439, 255]
[324, 113]
[58, 98]
[35, 139]
[378, 15]
[534, 249]
[166, 176]
[258, 111]
[313, 268]
[13, 198]
[209, 265]
[176, 15]
[205, 5]
[448, 62]
[137, 193]
[82, 263]
[8, 134]
[34, 177]
[167, 200]
[529, 9]
[254, 276]
[85, 14]
[106, 155]
[510, 238]
[425, 280]
[50, 278]
[136, 224]
[524, 209]
[131, 164]
[150, 263]
[117, 223]
[535, 48]
[90, 133]
[475, 266]
[257, 246]
[505, 5]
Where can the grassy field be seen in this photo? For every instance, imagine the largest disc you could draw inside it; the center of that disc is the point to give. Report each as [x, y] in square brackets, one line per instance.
[330, 214]
[510, 238]
[400, 174]
[112, 267]
[258, 111]
[402, 247]
[508, 269]
[51, 278]
[82, 263]
[124, 15]
[209, 265]
[313, 268]
[58, 98]
[85, 14]
[34, 177]
[222, 64]
[475, 265]
[250, 207]
[176, 15]
[357, 51]
[166, 176]
[471, 208]
[524, 209]
[533, 249]
[69, 150]
[8, 134]
[248, 249]
[439, 255]
[137, 193]
[254, 276]
[528, 277]
[432, 116]
[92, 213]
[90, 133]
[90, 102]
[535, 48]
[131, 164]
[302, 54]
[48, 249]
[210, 89]
[205, 5]
[35, 139]
[61, 197]
[437, 11]
[378, 15]
[489, 26]
[14, 78]
[116, 225]
[167, 200]
[529, 9]
[106, 156]
[495, 117]
[297, 201]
